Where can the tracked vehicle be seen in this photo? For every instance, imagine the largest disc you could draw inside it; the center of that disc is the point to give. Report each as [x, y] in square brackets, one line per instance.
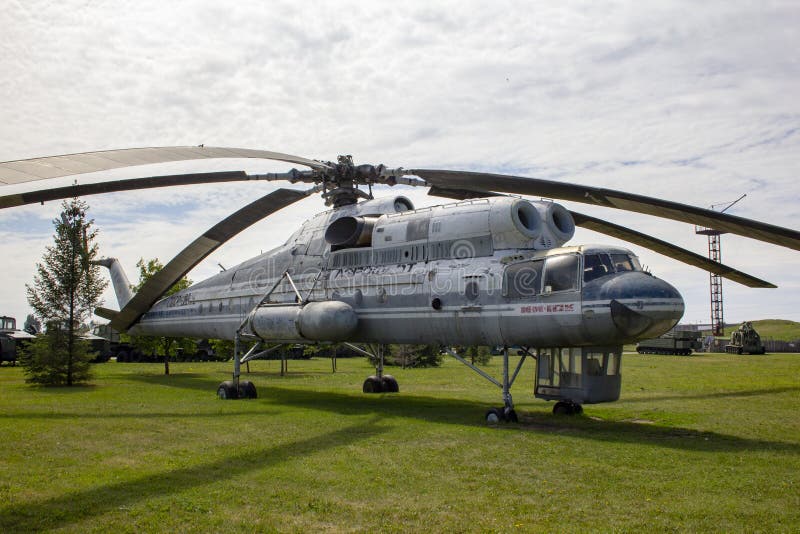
[676, 341]
[745, 339]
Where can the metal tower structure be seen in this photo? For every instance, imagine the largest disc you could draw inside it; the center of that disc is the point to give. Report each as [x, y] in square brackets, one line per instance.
[715, 254]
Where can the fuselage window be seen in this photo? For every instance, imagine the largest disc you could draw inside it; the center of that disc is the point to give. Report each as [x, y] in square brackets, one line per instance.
[561, 273]
[596, 266]
[523, 280]
[622, 263]
[317, 246]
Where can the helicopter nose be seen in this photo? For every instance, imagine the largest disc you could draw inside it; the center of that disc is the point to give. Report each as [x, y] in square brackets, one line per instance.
[642, 306]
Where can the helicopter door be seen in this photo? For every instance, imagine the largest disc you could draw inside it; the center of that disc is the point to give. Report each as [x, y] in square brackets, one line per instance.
[561, 290]
[475, 325]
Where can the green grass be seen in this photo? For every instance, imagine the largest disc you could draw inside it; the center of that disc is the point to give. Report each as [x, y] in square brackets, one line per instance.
[707, 443]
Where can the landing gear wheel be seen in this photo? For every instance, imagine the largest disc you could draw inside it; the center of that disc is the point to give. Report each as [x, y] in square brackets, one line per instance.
[494, 416]
[390, 384]
[562, 408]
[567, 408]
[247, 390]
[372, 384]
[501, 415]
[227, 391]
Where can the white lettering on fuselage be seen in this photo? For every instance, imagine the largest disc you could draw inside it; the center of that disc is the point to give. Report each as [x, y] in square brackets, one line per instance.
[565, 307]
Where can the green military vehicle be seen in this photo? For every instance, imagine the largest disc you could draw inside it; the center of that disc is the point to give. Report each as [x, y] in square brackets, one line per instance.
[11, 340]
[745, 339]
[679, 341]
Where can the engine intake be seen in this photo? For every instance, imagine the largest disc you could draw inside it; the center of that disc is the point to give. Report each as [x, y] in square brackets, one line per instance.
[559, 226]
[350, 232]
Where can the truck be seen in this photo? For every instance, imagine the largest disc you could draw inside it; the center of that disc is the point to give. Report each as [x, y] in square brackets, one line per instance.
[108, 345]
[745, 339]
[11, 340]
[680, 341]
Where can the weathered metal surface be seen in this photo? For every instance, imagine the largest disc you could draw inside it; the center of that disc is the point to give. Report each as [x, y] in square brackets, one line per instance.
[449, 300]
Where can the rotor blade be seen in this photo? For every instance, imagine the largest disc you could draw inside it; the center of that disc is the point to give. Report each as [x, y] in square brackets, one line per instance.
[155, 287]
[79, 190]
[482, 182]
[70, 191]
[27, 170]
[457, 194]
[667, 249]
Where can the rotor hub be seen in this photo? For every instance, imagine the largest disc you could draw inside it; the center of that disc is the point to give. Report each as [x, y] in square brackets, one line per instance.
[340, 184]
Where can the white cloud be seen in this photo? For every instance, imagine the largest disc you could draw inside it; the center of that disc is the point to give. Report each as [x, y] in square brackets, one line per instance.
[690, 102]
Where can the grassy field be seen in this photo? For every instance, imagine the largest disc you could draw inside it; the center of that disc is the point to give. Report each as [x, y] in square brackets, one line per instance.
[702, 443]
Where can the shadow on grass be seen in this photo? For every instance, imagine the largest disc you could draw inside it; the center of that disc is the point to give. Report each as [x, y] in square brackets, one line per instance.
[672, 437]
[54, 416]
[464, 413]
[83, 387]
[716, 395]
[207, 384]
[467, 413]
[195, 381]
[71, 508]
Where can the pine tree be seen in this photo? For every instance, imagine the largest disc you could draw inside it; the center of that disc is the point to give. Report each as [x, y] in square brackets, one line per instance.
[66, 288]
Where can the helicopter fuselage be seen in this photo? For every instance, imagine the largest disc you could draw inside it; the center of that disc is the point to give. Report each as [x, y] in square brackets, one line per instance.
[480, 272]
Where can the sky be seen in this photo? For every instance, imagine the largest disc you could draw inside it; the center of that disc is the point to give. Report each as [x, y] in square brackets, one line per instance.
[694, 102]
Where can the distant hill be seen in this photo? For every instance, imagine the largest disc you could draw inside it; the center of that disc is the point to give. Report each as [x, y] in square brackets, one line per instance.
[779, 329]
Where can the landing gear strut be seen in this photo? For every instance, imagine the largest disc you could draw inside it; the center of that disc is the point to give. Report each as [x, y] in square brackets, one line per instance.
[244, 389]
[507, 412]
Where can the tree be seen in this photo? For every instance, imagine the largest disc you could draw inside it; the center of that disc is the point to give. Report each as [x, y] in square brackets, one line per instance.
[413, 355]
[47, 361]
[223, 348]
[428, 356]
[152, 344]
[66, 288]
[479, 355]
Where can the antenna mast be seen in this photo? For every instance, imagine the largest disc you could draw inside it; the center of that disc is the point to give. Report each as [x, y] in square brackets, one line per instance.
[715, 254]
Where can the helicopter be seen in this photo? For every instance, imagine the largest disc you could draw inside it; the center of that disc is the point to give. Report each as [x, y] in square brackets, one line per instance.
[491, 268]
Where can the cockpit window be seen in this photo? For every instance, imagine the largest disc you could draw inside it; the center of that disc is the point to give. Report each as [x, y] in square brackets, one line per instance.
[561, 272]
[523, 279]
[595, 266]
[622, 263]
